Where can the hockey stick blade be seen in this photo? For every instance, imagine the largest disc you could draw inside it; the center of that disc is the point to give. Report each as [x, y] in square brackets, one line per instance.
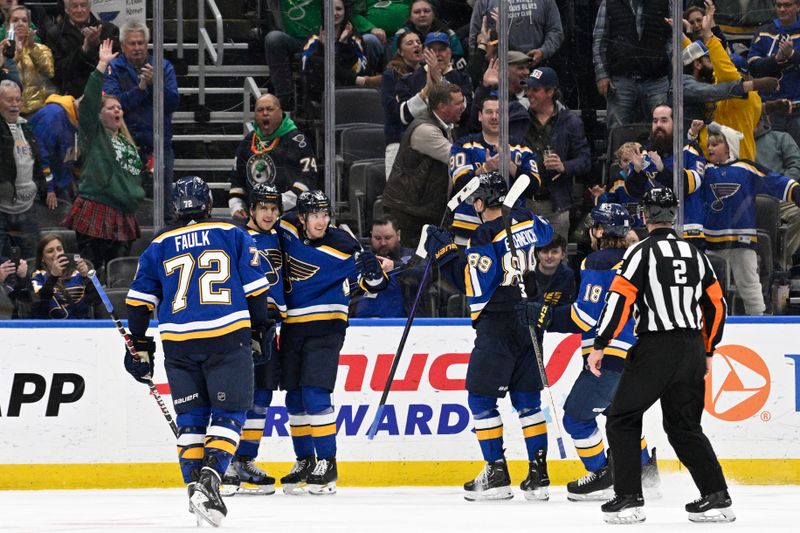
[373, 428]
[423, 238]
[465, 192]
[516, 190]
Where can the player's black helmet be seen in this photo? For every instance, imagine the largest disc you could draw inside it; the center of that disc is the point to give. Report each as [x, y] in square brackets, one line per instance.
[264, 193]
[492, 189]
[191, 197]
[613, 218]
[313, 202]
[660, 205]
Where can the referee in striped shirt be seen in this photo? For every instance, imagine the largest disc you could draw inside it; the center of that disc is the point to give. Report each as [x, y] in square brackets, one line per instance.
[676, 300]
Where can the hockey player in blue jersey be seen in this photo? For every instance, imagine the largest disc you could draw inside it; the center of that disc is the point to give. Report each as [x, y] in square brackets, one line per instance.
[477, 153]
[729, 194]
[243, 475]
[204, 278]
[321, 263]
[590, 396]
[502, 359]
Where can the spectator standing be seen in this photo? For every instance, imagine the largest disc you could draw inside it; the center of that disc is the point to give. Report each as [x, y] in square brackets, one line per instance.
[56, 128]
[15, 285]
[777, 151]
[61, 284]
[376, 20]
[110, 187]
[34, 62]
[407, 59]
[519, 68]
[534, 27]
[275, 153]
[557, 135]
[424, 20]
[630, 48]
[21, 175]
[74, 43]
[131, 81]
[417, 189]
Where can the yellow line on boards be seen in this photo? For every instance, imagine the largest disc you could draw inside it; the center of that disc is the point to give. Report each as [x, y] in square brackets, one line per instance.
[356, 473]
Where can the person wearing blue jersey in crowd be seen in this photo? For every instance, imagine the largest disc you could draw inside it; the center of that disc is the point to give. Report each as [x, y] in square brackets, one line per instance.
[205, 279]
[477, 153]
[502, 359]
[243, 475]
[729, 194]
[321, 263]
[609, 223]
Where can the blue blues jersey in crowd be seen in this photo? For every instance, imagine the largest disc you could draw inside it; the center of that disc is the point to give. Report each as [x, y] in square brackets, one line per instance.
[467, 159]
[66, 297]
[597, 273]
[199, 276]
[391, 302]
[317, 277]
[618, 194]
[269, 247]
[486, 274]
[729, 193]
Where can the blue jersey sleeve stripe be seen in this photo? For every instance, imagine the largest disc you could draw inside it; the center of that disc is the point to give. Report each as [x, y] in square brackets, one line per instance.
[315, 317]
[201, 325]
[143, 297]
[259, 285]
[330, 308]
[139, 303]
[578, 317]
[334, 252]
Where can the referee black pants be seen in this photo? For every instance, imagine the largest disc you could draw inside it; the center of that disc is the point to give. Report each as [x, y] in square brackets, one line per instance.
[667, 366]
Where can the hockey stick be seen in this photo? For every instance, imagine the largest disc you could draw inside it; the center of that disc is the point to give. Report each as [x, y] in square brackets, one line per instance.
[132, 350]
[514, 193]
[454, 202]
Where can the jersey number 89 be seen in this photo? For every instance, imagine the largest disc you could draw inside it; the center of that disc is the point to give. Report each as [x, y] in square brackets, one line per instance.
[217, 269]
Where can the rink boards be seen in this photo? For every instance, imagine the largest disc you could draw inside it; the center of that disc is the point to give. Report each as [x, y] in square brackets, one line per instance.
[70, 416]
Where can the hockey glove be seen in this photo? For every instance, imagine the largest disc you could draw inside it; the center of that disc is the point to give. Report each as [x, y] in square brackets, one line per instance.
[141, 369]
[262, 336]
[534, 314]
[368, 266]
[440, 245]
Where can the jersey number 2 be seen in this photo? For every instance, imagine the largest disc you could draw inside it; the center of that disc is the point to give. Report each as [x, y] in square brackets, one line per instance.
[217, 266]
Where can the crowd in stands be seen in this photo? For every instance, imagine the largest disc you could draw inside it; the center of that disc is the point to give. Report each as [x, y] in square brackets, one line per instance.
[76, 100]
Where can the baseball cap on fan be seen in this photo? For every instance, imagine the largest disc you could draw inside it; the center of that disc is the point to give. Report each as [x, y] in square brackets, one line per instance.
[695, 50]
[515, 56]
[437, 37]
[543, 77]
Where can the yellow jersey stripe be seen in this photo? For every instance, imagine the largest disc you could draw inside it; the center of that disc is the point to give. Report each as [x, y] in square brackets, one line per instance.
[590, 452]
[534, 430]
[315, 316]
[216, 332]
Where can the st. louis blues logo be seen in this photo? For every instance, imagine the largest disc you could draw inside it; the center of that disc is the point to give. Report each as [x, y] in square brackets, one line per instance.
[260, 169]
[722, 191]
[298, 271]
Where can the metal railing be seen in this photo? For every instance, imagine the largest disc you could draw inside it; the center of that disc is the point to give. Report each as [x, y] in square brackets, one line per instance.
[205, 44]
[251, 89]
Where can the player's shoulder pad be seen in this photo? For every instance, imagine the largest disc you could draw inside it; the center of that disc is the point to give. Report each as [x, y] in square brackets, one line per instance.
[486, 232]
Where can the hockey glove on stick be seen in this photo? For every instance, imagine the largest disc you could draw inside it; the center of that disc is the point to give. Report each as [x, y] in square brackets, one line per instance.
[141, 370]
[439, 244]
[262, 336]
[368, 266]
[534, 314]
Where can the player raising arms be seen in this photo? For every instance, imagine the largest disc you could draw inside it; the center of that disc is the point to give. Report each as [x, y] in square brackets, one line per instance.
[608, 225]
[503, 357]
[321, 262]
[243, 475]
[205, 280]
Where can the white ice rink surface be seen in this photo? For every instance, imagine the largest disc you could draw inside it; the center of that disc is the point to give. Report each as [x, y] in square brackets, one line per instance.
[384, 510]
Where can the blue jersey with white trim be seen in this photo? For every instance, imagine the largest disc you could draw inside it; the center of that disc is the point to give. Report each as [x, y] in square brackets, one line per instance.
[467, 159]
[597, 273]
[317, 278]
[268, 244]
[199, 276]
[489, 276]
[729, 192]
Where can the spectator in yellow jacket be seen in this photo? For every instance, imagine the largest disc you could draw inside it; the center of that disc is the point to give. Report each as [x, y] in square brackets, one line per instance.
[34, 62]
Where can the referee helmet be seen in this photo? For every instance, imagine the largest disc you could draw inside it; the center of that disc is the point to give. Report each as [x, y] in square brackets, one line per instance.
[659, 205]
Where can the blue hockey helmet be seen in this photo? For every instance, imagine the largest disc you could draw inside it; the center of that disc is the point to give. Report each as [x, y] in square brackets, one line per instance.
[313, 202]
[264, 193]
[613, 218]
[492, 189]
[191, 197]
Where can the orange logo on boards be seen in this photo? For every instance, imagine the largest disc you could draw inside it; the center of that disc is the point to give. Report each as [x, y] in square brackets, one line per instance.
[739, 383]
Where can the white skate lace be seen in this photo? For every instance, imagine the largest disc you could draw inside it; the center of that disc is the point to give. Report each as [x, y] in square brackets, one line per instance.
[251, 468]
[483, 477]
[298, 466]
[321, 468]
[588, 478]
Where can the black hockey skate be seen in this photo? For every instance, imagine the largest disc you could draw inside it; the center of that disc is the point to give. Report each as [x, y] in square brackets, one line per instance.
[651, 480]
[205, 498]
[294, 482]
[493, 483]
[623, 509]
[323, 479]
[594, 486]
[535, 486]
[244, 477]
[714, 507]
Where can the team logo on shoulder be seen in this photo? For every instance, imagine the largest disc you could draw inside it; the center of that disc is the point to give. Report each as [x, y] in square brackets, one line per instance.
[261, 169]
[298, 271]
[300, 139]
[721, 192]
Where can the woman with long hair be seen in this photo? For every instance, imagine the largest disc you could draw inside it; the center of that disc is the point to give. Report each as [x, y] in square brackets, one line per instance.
[103, 215]
[61, 284]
